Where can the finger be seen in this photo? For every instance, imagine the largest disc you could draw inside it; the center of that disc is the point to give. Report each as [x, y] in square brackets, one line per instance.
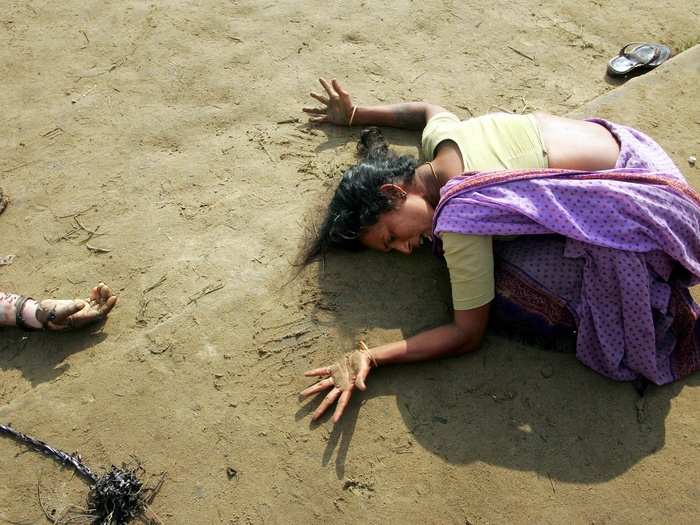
[64, 311]
[107, 306]
[315, 111]
[338, 89]
[318, 120]
[320, 98]
[327, 87]
[323, 371]
[318, 387]
[360, 379]
[57, 327]
[342, 403]
[105, 291]
[327, 401]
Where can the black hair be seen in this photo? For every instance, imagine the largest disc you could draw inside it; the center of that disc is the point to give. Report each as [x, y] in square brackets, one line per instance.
[358, 202]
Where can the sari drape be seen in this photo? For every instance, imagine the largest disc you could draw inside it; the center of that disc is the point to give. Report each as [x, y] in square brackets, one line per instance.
[607, 256]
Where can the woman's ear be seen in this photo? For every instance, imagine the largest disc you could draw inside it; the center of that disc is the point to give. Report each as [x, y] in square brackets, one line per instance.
[393, 192]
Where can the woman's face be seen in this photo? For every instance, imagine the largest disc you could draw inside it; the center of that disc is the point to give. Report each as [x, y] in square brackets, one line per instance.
[402, 229]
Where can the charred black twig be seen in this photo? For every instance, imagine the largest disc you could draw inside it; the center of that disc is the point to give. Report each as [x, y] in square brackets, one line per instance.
[118, 493]
[58, 455]
[116, 497]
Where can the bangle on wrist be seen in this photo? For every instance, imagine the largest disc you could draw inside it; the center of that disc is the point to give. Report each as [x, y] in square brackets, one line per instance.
[30, 314]
[352, 116]
[25, 314]
[365, 350]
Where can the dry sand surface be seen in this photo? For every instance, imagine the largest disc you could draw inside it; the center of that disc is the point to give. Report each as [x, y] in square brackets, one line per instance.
[170, 126]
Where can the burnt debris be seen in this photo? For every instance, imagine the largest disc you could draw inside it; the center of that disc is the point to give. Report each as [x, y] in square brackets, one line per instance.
[116, 497]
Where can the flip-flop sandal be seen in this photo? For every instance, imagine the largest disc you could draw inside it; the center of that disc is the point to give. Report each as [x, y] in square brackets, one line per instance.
[637, 55]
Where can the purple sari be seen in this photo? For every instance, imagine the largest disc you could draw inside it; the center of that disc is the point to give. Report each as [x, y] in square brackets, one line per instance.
[607, 256]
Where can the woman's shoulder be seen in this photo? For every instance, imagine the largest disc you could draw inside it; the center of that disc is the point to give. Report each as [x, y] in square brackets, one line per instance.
[442, 118]
[441, 126]
[465, 245]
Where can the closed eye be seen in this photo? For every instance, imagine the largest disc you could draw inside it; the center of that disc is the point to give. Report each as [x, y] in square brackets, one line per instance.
[387, 244]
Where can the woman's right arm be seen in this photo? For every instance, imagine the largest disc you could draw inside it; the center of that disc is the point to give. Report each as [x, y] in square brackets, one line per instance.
[338, 109]
[463, 335]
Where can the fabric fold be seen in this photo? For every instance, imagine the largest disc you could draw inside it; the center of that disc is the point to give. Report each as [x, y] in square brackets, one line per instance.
[635, 232]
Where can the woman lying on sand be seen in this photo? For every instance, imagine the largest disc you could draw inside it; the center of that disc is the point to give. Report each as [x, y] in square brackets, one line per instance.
[56, 314]
[558, 227]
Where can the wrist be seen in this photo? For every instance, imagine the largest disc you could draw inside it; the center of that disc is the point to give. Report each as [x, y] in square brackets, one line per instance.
[373, 363]
[20, 311]
[391, 353]
[351, 118]
[28, 314]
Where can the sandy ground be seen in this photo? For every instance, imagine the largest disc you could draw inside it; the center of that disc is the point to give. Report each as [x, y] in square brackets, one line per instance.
[159, 123]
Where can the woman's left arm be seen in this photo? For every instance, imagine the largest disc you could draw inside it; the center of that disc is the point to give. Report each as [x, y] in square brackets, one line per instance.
[337, 108]
[463, 335]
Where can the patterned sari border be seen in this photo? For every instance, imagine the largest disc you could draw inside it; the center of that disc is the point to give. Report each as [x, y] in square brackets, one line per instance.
[477, 180]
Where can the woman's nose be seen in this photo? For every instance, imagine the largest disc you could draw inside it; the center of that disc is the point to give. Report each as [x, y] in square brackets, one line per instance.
[404, 247]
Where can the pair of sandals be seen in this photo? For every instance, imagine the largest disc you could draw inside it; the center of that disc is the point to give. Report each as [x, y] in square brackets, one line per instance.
[637, 57]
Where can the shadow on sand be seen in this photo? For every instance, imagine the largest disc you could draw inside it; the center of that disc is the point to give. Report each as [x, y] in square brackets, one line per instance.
[510, 404]
[40, 356]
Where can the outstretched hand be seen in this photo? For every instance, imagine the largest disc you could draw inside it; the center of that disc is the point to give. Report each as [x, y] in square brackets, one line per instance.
[341, 377]
[64, 314]
[337, 106]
